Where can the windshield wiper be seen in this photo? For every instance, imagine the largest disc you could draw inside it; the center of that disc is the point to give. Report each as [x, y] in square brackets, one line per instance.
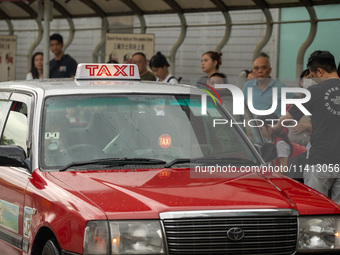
[114, 161]
[177, 161]
[229, 160]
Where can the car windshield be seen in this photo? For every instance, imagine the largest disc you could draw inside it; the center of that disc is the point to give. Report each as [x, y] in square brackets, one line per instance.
[159, 127]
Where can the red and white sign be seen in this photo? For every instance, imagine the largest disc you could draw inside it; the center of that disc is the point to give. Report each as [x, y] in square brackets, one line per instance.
[164, 141]
[107, 71]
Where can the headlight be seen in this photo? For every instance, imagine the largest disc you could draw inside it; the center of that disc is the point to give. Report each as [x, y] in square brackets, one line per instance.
[319, 233]
[136, 237]
[126, 237]
[96, 238]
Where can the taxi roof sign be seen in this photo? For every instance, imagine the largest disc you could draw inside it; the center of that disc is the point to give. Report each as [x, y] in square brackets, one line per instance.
[96, 71]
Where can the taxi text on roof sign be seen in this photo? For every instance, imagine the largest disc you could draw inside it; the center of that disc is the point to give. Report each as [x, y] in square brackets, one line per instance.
[95, 71]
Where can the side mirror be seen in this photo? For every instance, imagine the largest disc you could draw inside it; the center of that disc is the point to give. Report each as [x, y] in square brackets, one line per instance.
[12, 155]
[267, 151]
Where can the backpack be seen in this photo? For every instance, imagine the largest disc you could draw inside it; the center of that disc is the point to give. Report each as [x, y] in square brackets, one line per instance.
[173, 77]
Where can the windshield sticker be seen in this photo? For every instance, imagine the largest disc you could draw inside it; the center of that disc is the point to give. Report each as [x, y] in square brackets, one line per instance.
[164, 141]
[53, 145]
[27, 221]
[53, 140]
[52, 135]
[9, 216]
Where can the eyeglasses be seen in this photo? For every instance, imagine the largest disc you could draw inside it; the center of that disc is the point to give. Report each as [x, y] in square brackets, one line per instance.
[257, 68]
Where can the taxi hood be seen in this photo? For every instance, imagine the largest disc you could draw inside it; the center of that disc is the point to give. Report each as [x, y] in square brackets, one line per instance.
[132, 194]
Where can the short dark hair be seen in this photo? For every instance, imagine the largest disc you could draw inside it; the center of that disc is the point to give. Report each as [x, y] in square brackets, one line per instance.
[222, 75]
[158, 60]
[139, 53]
[321, 59]
[57, 37]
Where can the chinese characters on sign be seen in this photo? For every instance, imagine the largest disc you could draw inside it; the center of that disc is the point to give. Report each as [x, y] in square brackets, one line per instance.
[121, 47]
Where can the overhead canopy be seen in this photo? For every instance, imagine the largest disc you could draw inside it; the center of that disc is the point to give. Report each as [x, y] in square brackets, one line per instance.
[16, 9]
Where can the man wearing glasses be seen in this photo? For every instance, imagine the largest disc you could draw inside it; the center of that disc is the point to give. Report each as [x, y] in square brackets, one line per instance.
[262, 86]
[139, 59]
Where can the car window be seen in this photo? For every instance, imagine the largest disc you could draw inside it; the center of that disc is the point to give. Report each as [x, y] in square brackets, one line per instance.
[164, 127]
[15, 131]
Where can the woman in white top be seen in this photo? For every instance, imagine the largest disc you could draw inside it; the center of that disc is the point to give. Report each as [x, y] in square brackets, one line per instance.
[36, 67]
[159, 66]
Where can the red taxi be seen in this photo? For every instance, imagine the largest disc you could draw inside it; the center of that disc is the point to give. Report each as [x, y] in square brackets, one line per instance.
[106, 164]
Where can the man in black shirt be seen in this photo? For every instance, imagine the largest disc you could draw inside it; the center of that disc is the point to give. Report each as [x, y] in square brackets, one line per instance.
[322, 172]
[63, 65]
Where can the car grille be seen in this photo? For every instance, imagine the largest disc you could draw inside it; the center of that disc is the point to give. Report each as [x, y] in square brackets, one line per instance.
[262, 235]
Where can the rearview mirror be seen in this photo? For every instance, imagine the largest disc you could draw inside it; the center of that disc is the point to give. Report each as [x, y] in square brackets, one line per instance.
[12, 155]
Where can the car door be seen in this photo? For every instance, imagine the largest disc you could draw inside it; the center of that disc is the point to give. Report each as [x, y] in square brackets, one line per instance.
[14, 220]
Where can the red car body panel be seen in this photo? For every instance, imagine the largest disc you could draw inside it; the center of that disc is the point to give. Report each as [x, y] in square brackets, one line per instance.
[60, 208]
[65, 201]
[143, 194]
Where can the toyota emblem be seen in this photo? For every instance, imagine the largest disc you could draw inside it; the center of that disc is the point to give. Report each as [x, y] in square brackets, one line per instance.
[235, 234]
